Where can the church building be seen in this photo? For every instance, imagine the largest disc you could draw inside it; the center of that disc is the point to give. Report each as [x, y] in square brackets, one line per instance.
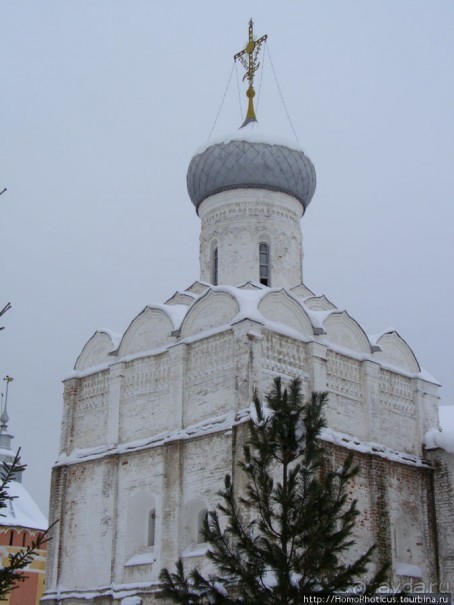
[154, 418]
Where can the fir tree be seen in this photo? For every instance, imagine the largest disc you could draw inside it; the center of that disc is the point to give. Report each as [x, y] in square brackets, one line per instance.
[11, 575]
[289, 535]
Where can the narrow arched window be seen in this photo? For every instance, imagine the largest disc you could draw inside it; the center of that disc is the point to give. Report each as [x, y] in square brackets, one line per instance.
[151, 527]
[264, 264]
[215, 266]
[202, 516]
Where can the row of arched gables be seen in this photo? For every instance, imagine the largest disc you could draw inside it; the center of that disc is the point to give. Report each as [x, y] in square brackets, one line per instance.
[313, 317]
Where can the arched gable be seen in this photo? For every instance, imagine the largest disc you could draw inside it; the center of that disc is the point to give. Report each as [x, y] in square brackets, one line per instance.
[96, 351]
[198, 288]
[215, 308]
[149, 330]
[301, 291]
[281, 307]
[250, 285]
[181, 298]
[319, 303]
[395, 351]
[343, 330]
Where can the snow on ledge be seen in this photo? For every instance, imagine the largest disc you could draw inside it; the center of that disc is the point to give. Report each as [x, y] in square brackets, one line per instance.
[374, 449]
[131, 601]
[198, 550]
[435, 439]
[142, 558]
[407, 569]
[225, 423]
[115, 591]
[217, 424]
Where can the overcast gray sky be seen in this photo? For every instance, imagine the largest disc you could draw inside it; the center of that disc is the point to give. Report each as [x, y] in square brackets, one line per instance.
[102, 106]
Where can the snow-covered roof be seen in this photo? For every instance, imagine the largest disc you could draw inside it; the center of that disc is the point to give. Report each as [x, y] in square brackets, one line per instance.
[212, 309]
[443, 439]
[22, 510]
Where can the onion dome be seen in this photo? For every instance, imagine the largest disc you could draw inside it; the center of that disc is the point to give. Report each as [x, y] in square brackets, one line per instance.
[249, 159]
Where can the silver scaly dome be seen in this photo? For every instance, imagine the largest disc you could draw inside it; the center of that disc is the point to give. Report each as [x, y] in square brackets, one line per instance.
[249, 159]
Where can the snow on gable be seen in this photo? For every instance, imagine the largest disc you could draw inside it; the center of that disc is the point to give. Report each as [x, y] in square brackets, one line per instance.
[151, 329]
[281, 307]
[251, 285]
[395, 351]
[216, 307]
[181, 298]
[319, 303]
[302, 291]
[96, 350]
[342, 329]
[198, 288]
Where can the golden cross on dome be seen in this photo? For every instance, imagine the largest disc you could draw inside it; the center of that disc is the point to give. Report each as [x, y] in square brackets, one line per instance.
[248, 57]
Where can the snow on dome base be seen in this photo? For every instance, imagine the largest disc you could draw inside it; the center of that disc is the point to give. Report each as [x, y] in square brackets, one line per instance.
[250, 159]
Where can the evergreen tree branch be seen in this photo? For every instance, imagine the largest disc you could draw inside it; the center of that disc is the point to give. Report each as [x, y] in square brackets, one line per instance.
[12, 574]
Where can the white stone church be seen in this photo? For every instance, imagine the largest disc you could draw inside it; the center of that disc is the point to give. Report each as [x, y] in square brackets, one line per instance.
[155, 418]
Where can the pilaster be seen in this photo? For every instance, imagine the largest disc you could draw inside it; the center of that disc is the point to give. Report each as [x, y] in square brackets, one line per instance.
[70, 394]
[370, 376]
[116, 377]
[178, 355]
[247, 353]
[427, 396]
[316, 360]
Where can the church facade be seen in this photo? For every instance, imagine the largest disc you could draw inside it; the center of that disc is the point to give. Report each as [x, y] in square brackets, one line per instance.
[154, 419]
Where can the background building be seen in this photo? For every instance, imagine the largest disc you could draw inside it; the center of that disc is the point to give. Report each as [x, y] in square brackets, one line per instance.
[20, 523]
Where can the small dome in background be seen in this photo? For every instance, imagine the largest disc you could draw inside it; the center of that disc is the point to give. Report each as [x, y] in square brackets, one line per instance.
[250, 159]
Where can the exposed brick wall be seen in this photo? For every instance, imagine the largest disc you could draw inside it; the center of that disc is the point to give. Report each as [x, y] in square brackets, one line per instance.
[444, 512]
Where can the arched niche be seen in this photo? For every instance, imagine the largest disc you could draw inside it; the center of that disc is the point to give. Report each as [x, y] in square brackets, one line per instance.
[407, 541]
[343, 330]
[396, 352]
[96, 351]
[282, 308]
[141, 523]
[215, 308]
[194, 513]
[151, 329]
